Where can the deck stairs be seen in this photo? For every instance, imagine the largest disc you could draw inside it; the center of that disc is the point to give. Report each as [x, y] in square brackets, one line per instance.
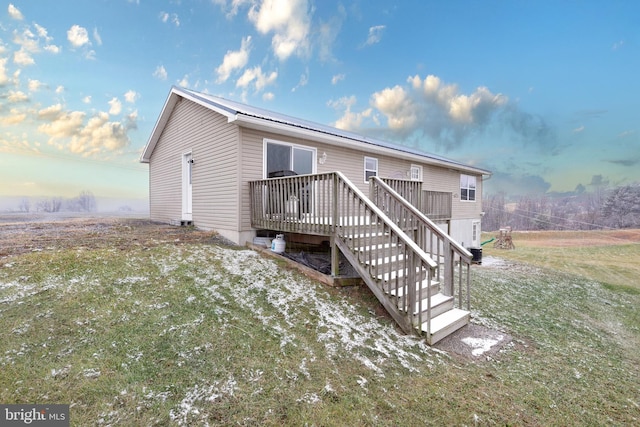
[387, 270]
[416, 270]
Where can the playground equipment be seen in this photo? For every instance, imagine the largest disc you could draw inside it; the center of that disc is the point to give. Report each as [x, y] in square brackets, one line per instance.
[504, 240]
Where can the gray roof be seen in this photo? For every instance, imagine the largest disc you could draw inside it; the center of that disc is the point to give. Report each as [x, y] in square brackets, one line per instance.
[235, 110]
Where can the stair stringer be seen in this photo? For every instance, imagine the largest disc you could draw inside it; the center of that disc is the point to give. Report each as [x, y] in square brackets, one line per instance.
[388, 303]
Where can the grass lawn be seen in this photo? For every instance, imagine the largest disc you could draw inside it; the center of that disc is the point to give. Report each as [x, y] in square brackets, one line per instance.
[186, 331]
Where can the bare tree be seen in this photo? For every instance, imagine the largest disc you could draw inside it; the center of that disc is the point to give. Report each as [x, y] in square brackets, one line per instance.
[25, 205]
[87, 201]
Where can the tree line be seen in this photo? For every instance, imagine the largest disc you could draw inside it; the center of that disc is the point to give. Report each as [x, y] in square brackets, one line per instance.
[617, 207]
[84, 202]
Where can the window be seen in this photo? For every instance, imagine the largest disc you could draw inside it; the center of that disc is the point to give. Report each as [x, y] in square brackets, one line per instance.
[280, 158]
[370, 168]
[415, 173]
[468, 188]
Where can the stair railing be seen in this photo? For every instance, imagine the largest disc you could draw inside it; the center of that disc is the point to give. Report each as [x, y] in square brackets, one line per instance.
[431, 238]
[334, 206]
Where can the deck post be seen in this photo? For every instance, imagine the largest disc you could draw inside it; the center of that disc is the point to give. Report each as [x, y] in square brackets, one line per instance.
[335, 257]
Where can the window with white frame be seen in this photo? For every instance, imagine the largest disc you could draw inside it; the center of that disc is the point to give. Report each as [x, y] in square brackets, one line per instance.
[370, 168]
[415, 173]
[468, 188]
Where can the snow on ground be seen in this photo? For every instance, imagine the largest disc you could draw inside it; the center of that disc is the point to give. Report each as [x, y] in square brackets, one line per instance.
[281, 301]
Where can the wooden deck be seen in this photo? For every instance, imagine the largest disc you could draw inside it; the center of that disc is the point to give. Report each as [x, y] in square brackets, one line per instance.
[397, 250]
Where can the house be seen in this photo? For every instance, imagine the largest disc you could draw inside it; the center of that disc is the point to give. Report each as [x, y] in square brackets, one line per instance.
[237, 169]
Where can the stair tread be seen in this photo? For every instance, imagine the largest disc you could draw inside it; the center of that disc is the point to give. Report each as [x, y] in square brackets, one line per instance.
[435, 284]
[446, 319]
[437, 300]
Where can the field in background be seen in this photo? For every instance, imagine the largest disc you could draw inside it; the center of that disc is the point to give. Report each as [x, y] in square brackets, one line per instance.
[611, 256]
[136, 323]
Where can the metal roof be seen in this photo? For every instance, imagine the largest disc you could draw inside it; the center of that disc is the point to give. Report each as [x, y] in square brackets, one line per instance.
[261, 118]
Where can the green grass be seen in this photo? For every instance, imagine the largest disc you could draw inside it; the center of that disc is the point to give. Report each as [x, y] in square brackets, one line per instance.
[601, 257]
[197, 333]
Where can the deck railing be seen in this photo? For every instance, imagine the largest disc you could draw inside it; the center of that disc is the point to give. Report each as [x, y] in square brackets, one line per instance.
[435, 242]
[330, 204]
[436, 205]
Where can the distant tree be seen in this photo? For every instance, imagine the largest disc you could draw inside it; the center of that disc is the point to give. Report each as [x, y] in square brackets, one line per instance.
[25, 205]
[87, 201]
[621, 208]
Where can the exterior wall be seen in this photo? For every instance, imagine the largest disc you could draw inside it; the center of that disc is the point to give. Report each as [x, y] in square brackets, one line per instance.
[351, 163]
[213, 144]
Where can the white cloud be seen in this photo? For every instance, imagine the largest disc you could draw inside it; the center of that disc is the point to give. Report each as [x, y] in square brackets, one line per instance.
[289, 20]
[184, 81]
[78, 36]
[460, 108]
[131, 96]
[304, 80]
[62, 124]
[14, 13]
[42, 32]
[98, 135]
[617, 45]
[23, 58]
[257, 77]
[349, 120]
[50, 113]
[578, 129]
[233, 60]
[4, 77]
[160, 73]
[430, 108]
[375, 35]
[327, 33]
[115, 106]
[27, 41]
[34, 85]
[234, 5]
[396, 104]
[337, 78]
[14, 117]
[268, 96]
[166, 17]
[17, 96]
[52, 48]
[60, 89]
[97, 37]
[87, 99]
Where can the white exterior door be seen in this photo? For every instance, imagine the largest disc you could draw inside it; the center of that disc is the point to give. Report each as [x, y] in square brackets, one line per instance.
[475, 234]
[187, 186]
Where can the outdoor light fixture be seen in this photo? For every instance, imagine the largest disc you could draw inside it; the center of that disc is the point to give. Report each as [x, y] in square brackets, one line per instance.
[322, 158]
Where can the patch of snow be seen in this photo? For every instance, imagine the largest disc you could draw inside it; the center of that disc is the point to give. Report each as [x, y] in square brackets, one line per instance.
[481, 345]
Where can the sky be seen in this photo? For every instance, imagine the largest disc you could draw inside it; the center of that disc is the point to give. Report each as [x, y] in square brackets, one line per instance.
[545, 94]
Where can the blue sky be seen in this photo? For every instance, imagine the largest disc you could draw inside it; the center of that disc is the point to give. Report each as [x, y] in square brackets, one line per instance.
[543, 93]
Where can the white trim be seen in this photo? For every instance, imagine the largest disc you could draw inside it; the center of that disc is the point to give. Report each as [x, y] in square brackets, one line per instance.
[187, 185]
[417, 168]
[266, 141]
[368, 169]
[468, 187]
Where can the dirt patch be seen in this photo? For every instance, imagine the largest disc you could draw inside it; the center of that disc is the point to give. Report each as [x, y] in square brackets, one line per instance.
[23, 234]
[475, 342]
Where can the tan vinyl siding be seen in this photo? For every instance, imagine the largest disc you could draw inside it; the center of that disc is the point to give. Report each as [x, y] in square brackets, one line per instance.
[213, 143]
[351, 163]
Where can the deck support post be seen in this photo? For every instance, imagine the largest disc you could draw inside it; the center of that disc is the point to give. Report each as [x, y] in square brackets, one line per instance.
[335, 257]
